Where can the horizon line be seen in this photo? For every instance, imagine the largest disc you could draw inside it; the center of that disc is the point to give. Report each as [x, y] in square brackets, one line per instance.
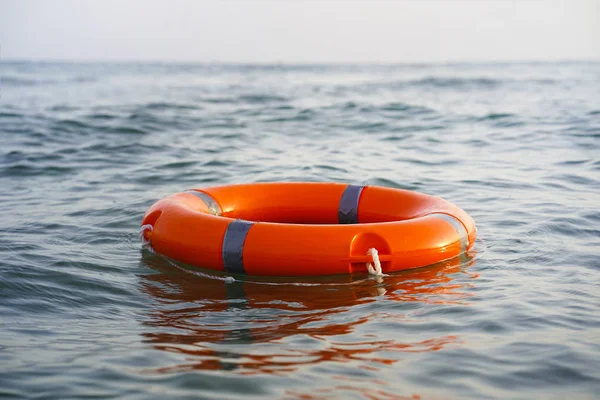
[294, 62]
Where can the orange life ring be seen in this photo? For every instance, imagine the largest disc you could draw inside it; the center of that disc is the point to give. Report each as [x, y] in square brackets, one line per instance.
[299, 229]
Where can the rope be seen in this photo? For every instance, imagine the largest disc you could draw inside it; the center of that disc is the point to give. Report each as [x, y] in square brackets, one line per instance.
[143, 229]
[375, 267]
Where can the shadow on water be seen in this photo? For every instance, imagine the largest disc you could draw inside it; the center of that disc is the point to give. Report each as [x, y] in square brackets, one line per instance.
[273, 325]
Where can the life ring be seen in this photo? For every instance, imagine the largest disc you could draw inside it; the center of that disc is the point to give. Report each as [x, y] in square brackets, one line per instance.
[300, 229]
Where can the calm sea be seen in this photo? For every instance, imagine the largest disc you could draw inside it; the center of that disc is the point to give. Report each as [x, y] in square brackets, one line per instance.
[85, 312]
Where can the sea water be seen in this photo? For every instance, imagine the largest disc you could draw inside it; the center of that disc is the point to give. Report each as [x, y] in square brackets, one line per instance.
[86, 312]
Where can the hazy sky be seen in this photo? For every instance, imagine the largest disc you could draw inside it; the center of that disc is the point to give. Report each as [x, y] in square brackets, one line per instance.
[300, 31]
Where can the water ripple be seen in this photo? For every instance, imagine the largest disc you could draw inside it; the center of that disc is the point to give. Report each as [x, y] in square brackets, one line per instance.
[87, 311]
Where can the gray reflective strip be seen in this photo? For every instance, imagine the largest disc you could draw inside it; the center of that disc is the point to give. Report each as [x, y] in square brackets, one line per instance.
[348, 209]
[233, 246]
[458, 226]
[211, 203]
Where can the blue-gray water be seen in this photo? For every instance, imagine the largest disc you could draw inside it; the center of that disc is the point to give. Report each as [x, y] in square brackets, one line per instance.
[85, 149]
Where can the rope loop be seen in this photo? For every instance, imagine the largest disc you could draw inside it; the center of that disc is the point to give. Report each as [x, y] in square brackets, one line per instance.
[375, 267]
[143, 230]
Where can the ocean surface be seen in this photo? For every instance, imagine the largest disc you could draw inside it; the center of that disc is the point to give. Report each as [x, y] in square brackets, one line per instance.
[87, 312]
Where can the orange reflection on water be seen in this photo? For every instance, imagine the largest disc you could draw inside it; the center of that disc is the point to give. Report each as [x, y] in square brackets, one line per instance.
[375, 389]
[208, 357]
[276, 326]
[367, 393]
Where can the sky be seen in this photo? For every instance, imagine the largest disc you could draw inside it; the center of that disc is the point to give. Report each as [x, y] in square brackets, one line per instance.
[297, 31]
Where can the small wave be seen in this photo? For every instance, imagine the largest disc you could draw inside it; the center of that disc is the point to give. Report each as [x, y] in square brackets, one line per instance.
[417, 128]
[570, 179]
[448, 82]
[300, 116]
[389, 109]
[4, 114]
[101, 116]
[380, 181]
[142, 116]
[178, 165]
[12, 157]
[284, 107]
[17, 81]
[223, 125]
[349, 105]
[216, 163]
[477, 143]
[431, 82]
[70, 127]
[245, 99]
[127, 130]
[501, 120]
[78, 126]
[219, 100]
[71, 123]
[326, 167]
[411, 109]
[428, 163]
[261, 98]
[573, 162]
[62, 107]
[583, 132]
[105, 148]
[369, 126]
[495, 116]
[27, 170]
[162, 106]
[396, 138]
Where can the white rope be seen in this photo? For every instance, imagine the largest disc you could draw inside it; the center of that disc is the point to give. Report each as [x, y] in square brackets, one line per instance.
[143, 229]
[375, 267]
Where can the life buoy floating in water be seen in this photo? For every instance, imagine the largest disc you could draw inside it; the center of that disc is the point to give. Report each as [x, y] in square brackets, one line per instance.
[299, 229]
